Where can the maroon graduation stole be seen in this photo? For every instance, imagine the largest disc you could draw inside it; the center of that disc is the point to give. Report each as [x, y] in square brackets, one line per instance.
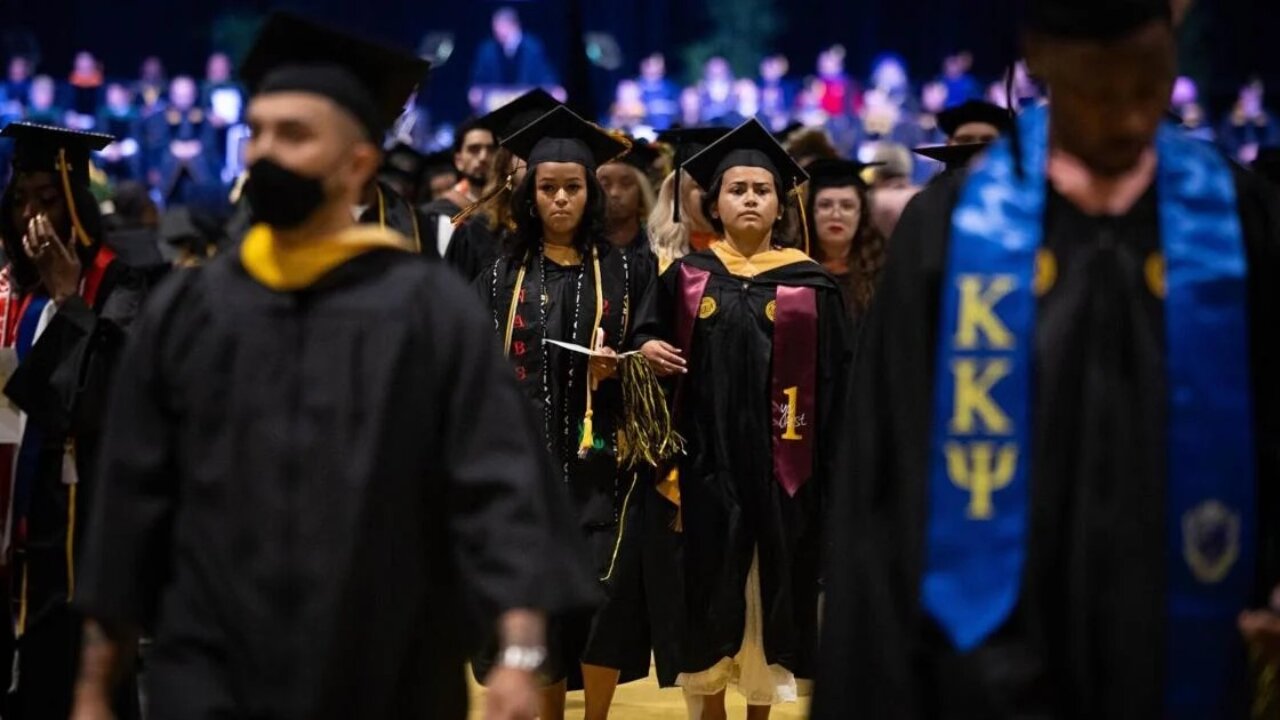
[795, 371]
[794, 382]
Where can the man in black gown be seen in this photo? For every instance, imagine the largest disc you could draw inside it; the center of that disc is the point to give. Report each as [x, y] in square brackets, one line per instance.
[319, 473]
[1086, 631]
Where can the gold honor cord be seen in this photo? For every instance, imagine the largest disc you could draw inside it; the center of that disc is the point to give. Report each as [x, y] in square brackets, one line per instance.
[484, 200]
[515, 301]
[804, 215]
[64, 171]
[588, 430]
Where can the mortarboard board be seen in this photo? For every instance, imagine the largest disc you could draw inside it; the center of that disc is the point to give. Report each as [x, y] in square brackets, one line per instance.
[370, 80]
[828, 173]
[749, 145]
[1098, 20]
[404, 160]
[785, 133]
[685, 143]
[641, 156]
[562, 136]
[953, 156]
[974, 111]
[515, 115]
[44, 148]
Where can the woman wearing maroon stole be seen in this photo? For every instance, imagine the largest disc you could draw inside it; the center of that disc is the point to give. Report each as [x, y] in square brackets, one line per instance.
[764, 338]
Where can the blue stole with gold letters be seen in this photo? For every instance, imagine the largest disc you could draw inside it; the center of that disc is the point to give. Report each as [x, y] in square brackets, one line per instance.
[979, 481]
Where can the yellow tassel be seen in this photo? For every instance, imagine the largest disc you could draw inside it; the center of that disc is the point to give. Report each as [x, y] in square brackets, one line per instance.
[478, 205]
[588, 435]
[64, 170]
[804, 216]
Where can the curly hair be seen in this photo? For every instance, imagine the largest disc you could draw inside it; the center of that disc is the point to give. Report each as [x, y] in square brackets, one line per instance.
[787, 228]
[528, 225]
[866, 254]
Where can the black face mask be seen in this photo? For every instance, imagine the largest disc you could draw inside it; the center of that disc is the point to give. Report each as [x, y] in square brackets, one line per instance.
[281, 197]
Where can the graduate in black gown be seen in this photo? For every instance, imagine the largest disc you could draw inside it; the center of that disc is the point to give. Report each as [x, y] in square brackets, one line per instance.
[67, 304]
[844, 239]
[560, 280]
[1101, 557]
[479, 232]
[630, 198]
[319, 475]
[766, 338]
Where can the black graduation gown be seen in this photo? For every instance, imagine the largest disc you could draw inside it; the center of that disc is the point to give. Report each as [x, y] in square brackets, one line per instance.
[307, 495]
[731, 501]
[474, 248]
[62, 386]
[616, 637]
[404, 218]
[1086, 638]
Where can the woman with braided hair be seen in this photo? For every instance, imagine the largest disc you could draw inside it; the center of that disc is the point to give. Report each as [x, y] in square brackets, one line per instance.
[559, 288]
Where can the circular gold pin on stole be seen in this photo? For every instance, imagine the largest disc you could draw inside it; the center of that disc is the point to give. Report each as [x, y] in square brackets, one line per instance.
[771, 310]
[706, 308]
[1046, 272]
[1154, 271]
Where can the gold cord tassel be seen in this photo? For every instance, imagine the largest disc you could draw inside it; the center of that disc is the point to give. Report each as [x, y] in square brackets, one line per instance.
[484, 200]
[650, 433]
[588, 428]
[1266, 690]
[64, 169]
[804, 216]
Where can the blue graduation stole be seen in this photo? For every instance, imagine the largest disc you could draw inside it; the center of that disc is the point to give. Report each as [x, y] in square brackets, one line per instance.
[979, 478]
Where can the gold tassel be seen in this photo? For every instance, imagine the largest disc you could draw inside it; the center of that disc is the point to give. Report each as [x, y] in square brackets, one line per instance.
[804, 216]
[647, 424]
[1266, 690]
[588, 434]
[64, 169]
[484, 200]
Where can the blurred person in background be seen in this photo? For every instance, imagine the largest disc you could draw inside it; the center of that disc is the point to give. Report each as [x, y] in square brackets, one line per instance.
[1250, 126]
[43, 107]
[659, 93]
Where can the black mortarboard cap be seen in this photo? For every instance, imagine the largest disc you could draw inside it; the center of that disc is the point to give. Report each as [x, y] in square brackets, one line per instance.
[953, 156]
[562, 136]
[642, 156]
[42, 148]
[368, 79]
[974, 111]
[829, 173]
[687, 142]
[519, 113]
[749, 145]
[1099, 20]
[403, 159]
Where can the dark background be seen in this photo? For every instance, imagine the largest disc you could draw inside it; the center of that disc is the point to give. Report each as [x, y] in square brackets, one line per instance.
[1226, 40]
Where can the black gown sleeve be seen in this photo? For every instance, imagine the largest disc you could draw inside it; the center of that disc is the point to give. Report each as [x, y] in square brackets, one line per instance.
[876, 498]
[1259, 205]
[646, 323]
[128, 537]
[516, 543]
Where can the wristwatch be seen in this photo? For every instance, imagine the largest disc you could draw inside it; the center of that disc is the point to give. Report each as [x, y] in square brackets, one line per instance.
[525, 659]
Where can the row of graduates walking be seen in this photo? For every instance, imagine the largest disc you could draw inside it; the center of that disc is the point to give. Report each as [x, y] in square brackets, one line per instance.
[321, 484]
[710, 555]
